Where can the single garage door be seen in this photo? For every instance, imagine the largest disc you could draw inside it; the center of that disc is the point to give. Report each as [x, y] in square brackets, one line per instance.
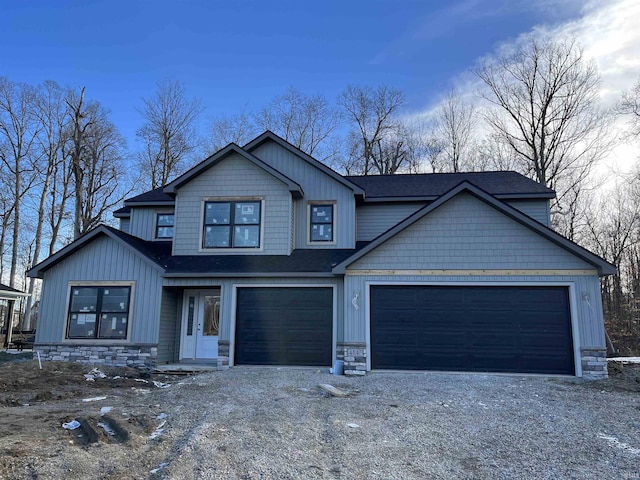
[284, 326]
[476, 329]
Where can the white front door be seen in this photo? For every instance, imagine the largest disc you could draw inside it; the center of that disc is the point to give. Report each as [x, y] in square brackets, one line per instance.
[200, 325]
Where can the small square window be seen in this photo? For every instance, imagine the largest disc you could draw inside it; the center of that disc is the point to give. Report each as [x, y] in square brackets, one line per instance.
[164, 225]
[321, 223]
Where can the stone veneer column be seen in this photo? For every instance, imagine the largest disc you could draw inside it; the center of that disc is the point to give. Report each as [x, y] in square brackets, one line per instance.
[138, 356]
[594, 363]
[223, 354]
[354, 356]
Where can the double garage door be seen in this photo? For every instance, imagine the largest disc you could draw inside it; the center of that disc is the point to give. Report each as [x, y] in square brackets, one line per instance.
[469, 328]
[284, 326]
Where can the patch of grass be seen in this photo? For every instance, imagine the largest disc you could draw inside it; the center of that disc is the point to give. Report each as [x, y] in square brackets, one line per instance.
[15, 357]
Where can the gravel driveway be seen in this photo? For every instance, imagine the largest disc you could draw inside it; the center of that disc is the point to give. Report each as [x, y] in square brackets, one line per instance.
[251, 423]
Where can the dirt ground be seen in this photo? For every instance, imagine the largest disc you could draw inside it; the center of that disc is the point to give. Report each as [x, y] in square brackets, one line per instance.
[129, 428]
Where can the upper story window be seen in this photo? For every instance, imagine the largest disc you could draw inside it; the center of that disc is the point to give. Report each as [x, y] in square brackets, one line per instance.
[164, 226]
[321, 222]
[232, 224]
[98, 312]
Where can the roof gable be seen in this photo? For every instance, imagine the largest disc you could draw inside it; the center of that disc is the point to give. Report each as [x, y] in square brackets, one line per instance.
[270, 136]
[220, 155]
[603, 267]
[139, 246]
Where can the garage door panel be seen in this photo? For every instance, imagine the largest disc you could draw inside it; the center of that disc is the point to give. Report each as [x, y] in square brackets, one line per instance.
[284, 326]
[503, 329]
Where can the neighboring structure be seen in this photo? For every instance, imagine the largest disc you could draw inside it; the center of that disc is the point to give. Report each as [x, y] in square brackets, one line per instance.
[8, 297]
[261, 255]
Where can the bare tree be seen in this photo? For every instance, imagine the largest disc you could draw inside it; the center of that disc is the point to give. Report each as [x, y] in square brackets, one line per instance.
[18, 132]
[546, 109]
[49, 109]
[168, 132]
[306, 122]
[238, 129]
[613, 229]
[455, 126]
[96, 151]
[378, 139]
[629, 106]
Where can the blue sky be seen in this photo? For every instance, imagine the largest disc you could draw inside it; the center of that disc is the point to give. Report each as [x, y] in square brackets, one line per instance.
[238, 55]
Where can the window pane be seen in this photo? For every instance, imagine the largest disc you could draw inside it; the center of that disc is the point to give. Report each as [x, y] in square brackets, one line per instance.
[216, 237]
[82, 325]
[192, 301]
[165, 232]
[165, 220]
[246, 236]
[211, 321]
[115, 300]
[321, 233]
[247, 213]
[322, 214]
[217, 213]
[113, 326]
[84, 299]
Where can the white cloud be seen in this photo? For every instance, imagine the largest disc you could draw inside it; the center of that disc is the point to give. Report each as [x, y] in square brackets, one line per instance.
[609, 32]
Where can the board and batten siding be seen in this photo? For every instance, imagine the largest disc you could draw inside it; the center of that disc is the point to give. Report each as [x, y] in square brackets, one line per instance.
[536, 209]
[234, 177]
[143, 221]
[226, 294]
[317, 186]
[169, 321]
[587, 302]
[124, 225]
[374, 219]
[103, 260]
[467, 234]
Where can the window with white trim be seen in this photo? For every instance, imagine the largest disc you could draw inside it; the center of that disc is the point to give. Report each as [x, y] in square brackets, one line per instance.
[321, 222]
[98, 312]
[231, 224]
[164, 226]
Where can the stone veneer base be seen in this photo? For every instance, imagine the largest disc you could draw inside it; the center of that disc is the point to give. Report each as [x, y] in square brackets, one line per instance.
[138, 356]
[594, 363]
[223, 354]
[354, 356]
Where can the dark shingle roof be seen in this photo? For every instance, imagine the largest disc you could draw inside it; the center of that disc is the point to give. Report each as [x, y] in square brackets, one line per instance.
[499, 184]
[155, 195]
[6, 288]
[300, 261]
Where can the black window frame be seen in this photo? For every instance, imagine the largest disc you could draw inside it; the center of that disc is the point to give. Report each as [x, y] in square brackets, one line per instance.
[98, 311]
[232, 224]
[331, 223]
[158, 226]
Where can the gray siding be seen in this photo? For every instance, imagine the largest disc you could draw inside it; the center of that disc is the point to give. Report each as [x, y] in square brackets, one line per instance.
[374, 219]
[103, 260]
[143, 221]
[586, 301]
[226, 307]
[124, 225]
[536, 209]
[233, 177]
[317, 186]
[465, 233]
[169, 325]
